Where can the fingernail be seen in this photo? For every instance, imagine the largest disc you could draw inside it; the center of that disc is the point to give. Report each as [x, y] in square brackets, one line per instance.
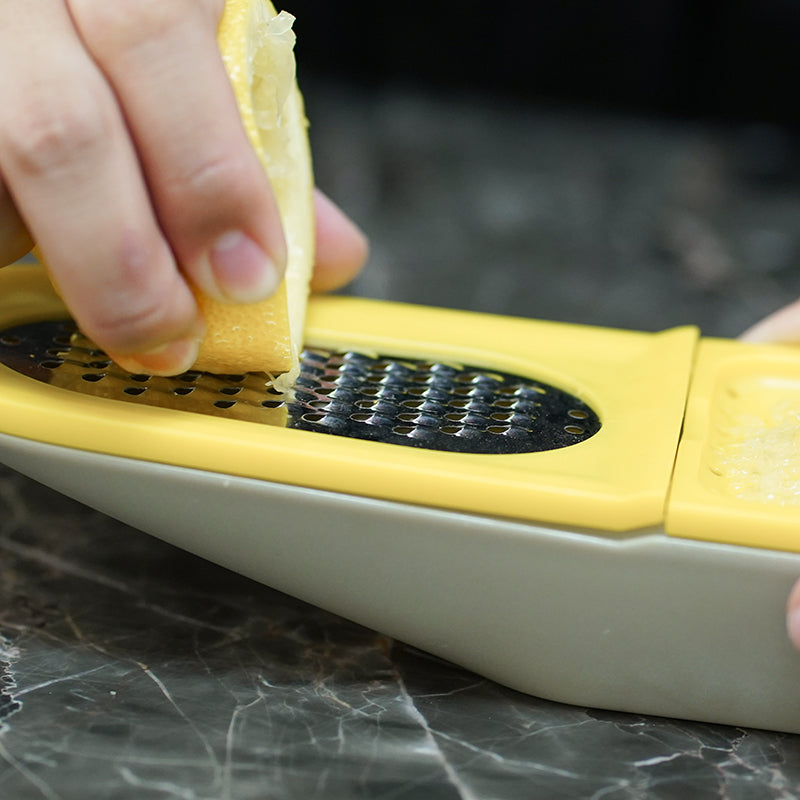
[243, 272]
[793, 626]
[169, 359]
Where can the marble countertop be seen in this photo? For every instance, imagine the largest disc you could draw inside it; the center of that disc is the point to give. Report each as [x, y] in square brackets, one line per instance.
[129, 668]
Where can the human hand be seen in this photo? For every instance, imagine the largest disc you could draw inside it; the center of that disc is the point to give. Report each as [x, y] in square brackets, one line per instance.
[783, 326]
[793, 615]
[123, 154]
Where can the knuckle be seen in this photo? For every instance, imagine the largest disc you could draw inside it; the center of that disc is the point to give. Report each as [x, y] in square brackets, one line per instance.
[54, 135]
[110, 28]
[145, 302]
[213, 182]
[140, 323]
[127, 329]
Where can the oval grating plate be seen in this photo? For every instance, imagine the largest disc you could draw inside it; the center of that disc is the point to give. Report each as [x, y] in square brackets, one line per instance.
[437, 406]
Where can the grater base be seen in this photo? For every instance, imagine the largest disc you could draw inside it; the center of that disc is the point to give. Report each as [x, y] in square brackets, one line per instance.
[642, 623]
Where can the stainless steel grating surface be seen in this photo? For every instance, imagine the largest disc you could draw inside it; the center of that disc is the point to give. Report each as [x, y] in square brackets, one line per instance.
[433, 405]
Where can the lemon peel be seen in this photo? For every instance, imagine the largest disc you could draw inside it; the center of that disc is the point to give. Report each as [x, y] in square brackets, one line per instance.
[257, 47]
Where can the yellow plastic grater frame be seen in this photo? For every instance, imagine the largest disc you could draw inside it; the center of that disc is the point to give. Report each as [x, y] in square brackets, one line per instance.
[604, 482]
[550, 572]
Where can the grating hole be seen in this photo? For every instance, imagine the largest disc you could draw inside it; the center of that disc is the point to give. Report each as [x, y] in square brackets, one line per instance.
[499, 429]
[93, 377]
[224, 403]
[51, 363]
[271, 403]
[403, 430]
[139, 378]
[10, 341]
[230, 389]
[452, 430]
[479, 377]
[577, 413]
[313, 417]
[183, 390]
[575, 430]
[135, 390]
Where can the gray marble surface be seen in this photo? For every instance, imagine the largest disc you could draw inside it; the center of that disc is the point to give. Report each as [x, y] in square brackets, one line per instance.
[131, 669]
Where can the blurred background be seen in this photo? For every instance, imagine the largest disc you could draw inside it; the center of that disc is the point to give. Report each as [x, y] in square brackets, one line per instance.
[616, 163]
[730, 58]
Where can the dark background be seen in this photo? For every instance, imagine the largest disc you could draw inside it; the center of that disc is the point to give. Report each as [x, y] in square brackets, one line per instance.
[681, 57]
[619, 163]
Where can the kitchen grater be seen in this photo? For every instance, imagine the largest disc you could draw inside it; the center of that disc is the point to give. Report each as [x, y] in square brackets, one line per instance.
[557, 507]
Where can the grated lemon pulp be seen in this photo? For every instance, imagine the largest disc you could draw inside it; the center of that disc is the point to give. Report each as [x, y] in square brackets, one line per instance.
[760, 458]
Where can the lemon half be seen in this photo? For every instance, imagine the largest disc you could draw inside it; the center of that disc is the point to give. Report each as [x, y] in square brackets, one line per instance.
[257, 46]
